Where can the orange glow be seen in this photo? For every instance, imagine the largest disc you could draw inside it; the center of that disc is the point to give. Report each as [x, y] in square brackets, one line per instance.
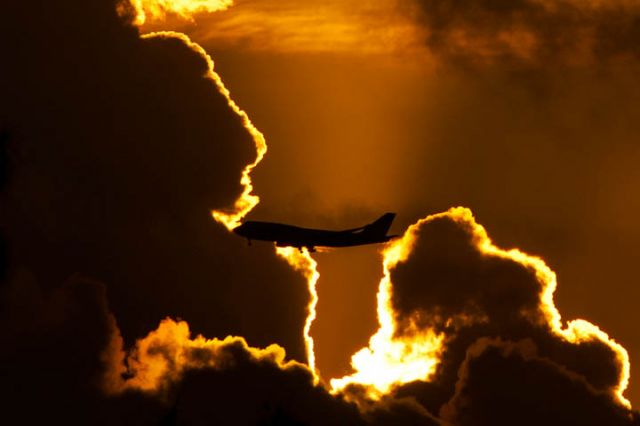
[303, 262]
[158, 9]
[230, 218]
[362, 28]
[391, 360]
[167, 352]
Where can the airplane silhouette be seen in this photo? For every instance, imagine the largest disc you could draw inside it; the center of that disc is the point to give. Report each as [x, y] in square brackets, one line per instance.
[293, 236]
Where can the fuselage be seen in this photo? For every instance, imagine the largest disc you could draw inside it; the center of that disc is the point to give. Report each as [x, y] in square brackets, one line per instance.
[294, 236]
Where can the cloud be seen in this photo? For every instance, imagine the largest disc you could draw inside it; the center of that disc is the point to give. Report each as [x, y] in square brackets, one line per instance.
[67, 347]
[52, 360]
[120, 148]
[469, 32]
[447, 277]
[531, 31]
[63, 360]
[159, 9]
[226, 381]
[507, 382]
[310, 26]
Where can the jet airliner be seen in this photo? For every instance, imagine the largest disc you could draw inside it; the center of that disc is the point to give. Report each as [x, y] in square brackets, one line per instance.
[294, 236]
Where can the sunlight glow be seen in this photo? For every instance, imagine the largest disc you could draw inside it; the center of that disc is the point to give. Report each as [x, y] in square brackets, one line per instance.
[389, 361]
[166, 353]
[302, 261]
[146, 10]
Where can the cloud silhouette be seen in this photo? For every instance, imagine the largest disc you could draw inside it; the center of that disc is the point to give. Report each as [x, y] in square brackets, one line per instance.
[120, 148]
[490, 305]
[508, 383]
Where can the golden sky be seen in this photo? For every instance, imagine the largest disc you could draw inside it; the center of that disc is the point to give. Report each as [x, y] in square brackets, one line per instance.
[135, 135]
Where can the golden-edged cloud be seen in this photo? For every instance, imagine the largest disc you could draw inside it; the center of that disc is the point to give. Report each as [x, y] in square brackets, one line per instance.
[447, 287]
[311, 26]
[150, 10]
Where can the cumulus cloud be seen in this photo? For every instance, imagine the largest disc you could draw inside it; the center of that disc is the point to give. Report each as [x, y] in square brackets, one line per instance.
[63, 359]
[226, 381]
[120, 148]
[509, 383]
[490, 371]
[491, 305]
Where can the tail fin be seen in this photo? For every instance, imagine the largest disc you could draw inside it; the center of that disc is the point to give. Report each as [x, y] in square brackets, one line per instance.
[381, 226]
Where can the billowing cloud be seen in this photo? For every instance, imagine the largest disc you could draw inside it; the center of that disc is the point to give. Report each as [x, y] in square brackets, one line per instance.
[508, 382]
[489, 372]
[63, 359]
[445, 278]
[226, 381]
[120, 147]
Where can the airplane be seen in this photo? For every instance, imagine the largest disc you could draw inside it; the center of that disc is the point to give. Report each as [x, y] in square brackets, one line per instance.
[293, 236]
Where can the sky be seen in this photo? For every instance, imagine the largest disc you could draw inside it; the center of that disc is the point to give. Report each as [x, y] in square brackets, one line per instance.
[119, 288]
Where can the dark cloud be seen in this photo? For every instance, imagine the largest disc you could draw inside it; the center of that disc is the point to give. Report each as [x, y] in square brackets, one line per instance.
[491, 372]
[52, 361]
[226, 382]
[392, 410]
[62, 361]
[507, 383]
[457, 284]
[121, 147]
[529, 31]
[5, 138]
